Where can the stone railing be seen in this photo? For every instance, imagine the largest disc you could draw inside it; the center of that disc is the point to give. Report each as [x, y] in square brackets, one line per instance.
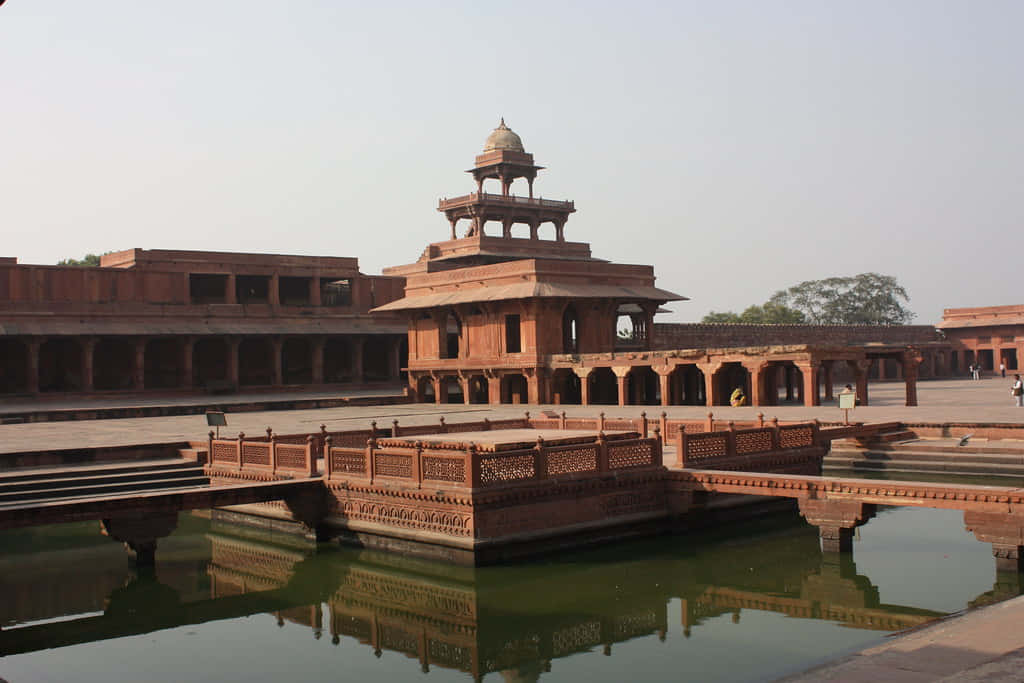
[467, 465]
[502, 199]
[704, 449]
[268, 456]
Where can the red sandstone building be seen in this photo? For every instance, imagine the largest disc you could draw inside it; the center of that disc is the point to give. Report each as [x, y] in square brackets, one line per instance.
[989, 335]
[191, 320]
[499, 318]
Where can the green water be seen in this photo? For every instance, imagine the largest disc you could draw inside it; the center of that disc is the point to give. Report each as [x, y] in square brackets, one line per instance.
[750, 602]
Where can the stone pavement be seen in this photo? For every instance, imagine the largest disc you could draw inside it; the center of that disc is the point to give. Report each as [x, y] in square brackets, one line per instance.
[986, 644]
[958, 400]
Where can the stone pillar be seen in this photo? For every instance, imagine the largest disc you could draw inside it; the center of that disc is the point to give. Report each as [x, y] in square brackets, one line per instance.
[809, 370]
[621, 372]
[33, 344]
[231, 290]
[274, 290]
[788, 370]
[493, 389]
[317, 348]
[233, 343]
[187, 349]
[276, 363]
[826, 371]
[836, 521]
[139, 365]
[532, 388]
[911, 361]
[314, 290]
[882, 369]
[395, 358]
[755, 370]
[464, 383]
[440, 390]
[357, 360]
[860, 370]
[88, 363]
[584, 375]
[664, 384]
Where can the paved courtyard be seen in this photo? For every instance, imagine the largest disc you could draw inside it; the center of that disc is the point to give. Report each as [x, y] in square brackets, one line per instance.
[959, 400]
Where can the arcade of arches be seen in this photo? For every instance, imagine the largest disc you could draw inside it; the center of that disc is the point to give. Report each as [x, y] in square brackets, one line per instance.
[31, 365]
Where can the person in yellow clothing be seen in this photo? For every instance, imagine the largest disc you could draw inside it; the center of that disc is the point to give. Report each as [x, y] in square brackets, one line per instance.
[738, 398]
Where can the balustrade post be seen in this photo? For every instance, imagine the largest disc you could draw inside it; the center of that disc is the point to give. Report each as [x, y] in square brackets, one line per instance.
[417, 467]
[371, 470]
[709, 423]
[473, 466]
[643, 424]
[664, 425]
[373, 429]
[602, 452]
[394, 429]
[238, 448]
[815, 432]
[311, 468]
[328, 463]
[760, 419]
[600, 422]
[681, 446]
[541, 459]
[658, 441]
[323, 436]
[273, 453]
[776, 435]
[730, 439]
[209, 448]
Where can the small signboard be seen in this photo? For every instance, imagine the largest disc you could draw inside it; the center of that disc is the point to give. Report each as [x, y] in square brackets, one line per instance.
[216, 418]
[847, 400]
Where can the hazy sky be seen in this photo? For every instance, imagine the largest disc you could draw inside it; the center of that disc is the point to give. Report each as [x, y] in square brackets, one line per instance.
[740, 148]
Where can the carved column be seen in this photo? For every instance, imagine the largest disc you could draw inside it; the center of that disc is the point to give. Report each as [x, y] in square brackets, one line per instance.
[317, 346]
[358, 375]
[396, 358]
[836, 521]
[276, 365]
[230, 290]
[532, 387]
[665, 384]
[860, 370]
[621, 372]
[711, 397]
[826, 372]
[911, 361]
[88, 363]
[139, 366]
[233, 343]
[756, 381]
[464, 383]
[33, 344]
[440, 390]
[809, 370]
[584, 375]
[493, 388]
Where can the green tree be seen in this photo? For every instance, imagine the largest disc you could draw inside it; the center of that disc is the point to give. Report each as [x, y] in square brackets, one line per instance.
[87, 260]
[767, 314]
[865, 299]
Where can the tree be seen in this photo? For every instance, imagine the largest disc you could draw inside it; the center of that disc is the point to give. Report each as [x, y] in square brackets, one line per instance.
[768, 314]
[865, 299]
[87, 260]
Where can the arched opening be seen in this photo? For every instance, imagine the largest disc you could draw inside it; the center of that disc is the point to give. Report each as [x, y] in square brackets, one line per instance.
[376, 359]
[513, 389]
[453, 335]
[13, 366]
[425, 390]
[209, 361]
[163, 366]
[604, 387]
[630, 327]
[731, 376]
[566, 387]
[112, 361]
[643, 387]
[452, 389]
[337, 360]
[60, 365]
[686, 386]
[570, 330]
[297, 361]
[479, 389]
[255, 362]
[546, 231]
[520, 231]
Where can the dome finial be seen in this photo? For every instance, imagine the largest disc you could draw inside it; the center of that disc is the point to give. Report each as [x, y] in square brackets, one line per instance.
[502, 124]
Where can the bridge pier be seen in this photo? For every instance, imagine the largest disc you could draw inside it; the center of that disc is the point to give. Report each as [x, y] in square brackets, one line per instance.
[836, 521]
[140, 535]
[1005, 531]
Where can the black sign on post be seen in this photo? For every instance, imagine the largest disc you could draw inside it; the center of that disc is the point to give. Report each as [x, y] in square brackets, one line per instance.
[216, 418]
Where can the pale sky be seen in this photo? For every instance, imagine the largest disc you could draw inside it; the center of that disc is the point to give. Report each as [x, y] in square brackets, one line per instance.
[739, 147]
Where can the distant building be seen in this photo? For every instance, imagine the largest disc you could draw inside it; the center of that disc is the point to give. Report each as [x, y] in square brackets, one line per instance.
[987, 335]
[193, 320]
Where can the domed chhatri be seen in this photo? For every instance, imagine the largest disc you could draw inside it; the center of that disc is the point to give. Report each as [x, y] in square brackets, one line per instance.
[503, 138]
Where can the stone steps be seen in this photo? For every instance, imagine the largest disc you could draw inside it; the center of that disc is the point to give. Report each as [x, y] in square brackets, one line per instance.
[41, 485]
[940, 456]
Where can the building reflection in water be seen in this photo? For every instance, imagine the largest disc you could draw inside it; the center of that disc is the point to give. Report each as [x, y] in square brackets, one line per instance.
[515, 620]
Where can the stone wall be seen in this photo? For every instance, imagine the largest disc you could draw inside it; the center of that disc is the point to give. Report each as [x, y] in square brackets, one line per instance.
[725, 335]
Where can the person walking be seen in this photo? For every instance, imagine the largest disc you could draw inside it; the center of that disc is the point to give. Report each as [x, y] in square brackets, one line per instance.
[976, 370]
[1002, 368]
[1017, 391]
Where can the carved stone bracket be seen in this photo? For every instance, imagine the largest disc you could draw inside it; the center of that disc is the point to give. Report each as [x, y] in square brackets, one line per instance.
[836, 521]
[140, 534]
